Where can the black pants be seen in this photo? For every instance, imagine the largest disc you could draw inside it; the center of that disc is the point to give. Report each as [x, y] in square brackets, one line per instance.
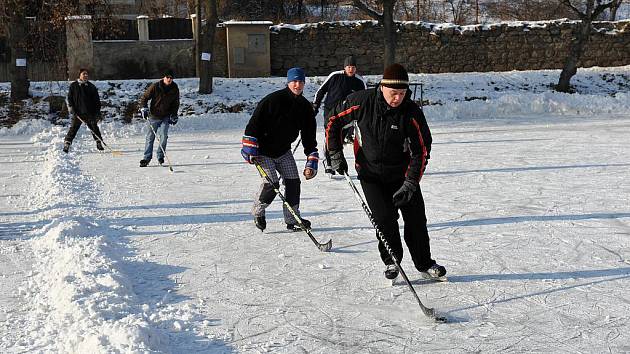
[76, 124]
[379, 199]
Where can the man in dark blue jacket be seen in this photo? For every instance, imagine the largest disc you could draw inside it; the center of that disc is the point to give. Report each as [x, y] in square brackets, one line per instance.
[276, 123]
[392, 144]
[84, 104]
[337, 86]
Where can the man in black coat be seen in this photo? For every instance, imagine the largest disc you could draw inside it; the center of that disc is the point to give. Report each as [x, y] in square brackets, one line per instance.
[84, 105]
[392, 144]
[337, 86]
[275, 124]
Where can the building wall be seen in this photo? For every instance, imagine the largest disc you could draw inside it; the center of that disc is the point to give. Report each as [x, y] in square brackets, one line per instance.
[149, 59]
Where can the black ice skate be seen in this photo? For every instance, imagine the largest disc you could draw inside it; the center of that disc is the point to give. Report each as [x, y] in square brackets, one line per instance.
[435, 272]
[260, 222]
[391, 272]
[144, 163]
[296, 227]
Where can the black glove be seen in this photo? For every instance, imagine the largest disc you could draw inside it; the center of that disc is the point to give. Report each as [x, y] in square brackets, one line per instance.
[404, 194]
[338, 162]
[173, 119]
[315, 108]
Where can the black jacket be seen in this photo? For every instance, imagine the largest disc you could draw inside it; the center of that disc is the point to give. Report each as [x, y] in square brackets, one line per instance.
[338, 86]
[277, 121]
[164, 99]
[390, 144]
[83, 98]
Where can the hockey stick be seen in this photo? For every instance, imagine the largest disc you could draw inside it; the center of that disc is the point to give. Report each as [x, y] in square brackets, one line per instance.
[296, 145]
[114, 152]
[168, 161]
[324, 247]
[429, 312]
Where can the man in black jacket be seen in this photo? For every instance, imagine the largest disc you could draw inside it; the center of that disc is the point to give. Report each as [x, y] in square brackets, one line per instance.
[337, 86]
[164, 97]
[392, 144]
[275, 124]
[84, 105]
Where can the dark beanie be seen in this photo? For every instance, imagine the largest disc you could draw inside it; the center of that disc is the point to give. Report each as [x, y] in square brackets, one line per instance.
[169, 73]
[395, 76]
[349, 61]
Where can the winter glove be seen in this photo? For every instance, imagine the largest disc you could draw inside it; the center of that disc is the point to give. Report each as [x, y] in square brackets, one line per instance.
[404, 194]
[249, 149]
[310, 170]
[315, 108]
[338, 162]
[173, 120]
[144, 112]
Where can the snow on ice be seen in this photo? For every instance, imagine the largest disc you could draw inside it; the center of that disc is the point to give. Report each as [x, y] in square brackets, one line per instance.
[527, 200]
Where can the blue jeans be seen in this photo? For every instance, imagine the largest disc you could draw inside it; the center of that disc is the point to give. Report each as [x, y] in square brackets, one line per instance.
[156, 123]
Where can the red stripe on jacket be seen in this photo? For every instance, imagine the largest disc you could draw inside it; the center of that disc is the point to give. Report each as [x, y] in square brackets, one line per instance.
[424, 151]
[339, 115]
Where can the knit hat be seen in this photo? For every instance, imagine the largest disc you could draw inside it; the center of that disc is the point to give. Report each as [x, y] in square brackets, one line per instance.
[349, 61]
[169, 73]
[296, 74]
[395, 76]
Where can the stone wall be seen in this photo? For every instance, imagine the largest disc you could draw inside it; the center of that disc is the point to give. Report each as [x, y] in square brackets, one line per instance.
[431, 48]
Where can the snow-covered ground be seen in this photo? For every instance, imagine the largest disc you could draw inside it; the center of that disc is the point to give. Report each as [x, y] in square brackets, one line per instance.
[527, 200]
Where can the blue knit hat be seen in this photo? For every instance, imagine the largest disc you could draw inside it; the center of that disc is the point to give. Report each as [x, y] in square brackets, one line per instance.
[296, 74]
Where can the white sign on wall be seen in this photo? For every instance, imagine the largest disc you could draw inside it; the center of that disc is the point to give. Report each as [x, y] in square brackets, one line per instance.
[20, 62]
[205, 56]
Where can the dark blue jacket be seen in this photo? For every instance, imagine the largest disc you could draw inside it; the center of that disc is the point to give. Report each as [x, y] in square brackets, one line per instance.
[278, 120]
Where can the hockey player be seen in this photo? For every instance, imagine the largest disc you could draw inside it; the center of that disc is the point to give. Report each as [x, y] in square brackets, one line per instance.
[337, 86]
[164, 97]
[274, 125]
[84, 104]
[392, 144]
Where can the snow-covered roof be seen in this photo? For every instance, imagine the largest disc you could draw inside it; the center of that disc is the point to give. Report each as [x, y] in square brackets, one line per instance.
[232, 22]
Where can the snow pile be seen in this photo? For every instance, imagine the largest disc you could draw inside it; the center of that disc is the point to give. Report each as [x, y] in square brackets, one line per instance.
[85, 302]
[528, 104]
[454, 96]
[80, 299]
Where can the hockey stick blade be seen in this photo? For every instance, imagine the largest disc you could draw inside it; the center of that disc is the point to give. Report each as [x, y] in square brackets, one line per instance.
[324, 247]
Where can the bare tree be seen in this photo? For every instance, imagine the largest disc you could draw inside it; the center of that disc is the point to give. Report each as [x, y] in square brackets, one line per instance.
[206, 70]
[386, 19]
[587, 11]
[460, 11]
[527, 10]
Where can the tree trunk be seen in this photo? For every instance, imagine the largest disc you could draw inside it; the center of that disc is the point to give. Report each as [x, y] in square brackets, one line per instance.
[206, 71]
[389, 27]
[582, 36]
[17, 41]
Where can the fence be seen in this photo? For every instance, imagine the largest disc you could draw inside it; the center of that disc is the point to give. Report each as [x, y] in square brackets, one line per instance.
[170, 28]
[118, 29]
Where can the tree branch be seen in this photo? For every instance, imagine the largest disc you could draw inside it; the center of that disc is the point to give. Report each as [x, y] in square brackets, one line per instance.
[575, 9]
[359, 4]
[600, 8]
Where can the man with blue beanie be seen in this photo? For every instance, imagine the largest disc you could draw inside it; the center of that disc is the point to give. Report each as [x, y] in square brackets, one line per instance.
[275, 124]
